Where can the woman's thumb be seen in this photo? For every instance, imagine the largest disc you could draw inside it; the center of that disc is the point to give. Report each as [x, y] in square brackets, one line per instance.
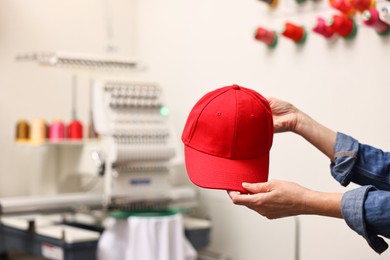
[260, 187]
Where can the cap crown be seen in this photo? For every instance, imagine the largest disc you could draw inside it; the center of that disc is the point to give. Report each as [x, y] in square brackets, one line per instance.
[231, 122]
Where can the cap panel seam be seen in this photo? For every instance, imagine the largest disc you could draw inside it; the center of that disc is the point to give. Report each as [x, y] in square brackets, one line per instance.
[228, 158]
[265, 105]
[258, 100]
[200, 113]
[232, 154]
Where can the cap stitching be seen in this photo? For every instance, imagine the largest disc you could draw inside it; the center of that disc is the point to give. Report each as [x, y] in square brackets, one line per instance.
[226, 157]
[232, 154]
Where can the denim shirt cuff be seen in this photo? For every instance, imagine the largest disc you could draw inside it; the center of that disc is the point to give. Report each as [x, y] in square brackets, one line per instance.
[345, 154]
[352, 209]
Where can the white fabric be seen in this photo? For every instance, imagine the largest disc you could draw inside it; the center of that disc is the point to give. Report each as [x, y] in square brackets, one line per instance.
[145, 238]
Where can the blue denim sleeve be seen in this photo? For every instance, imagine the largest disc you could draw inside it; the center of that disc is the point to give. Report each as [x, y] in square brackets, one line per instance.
[367, 209]
[360, 163]
[364, 210]
[345, 153]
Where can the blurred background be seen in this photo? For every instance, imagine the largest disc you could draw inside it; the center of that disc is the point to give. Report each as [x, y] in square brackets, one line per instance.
[190, 48]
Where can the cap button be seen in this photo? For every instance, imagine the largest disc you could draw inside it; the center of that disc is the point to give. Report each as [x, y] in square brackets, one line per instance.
[236, 87]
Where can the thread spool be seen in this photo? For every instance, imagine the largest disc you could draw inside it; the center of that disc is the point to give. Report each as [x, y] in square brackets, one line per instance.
[323, 29]
[38, 131]
[271, 3]
[362, 5]
[268, 37]
[384, 14]
[296, 33]
[57, 131]
[371, 18]
[22, 131]
[75, 130]
[343, 6]
[343, 26]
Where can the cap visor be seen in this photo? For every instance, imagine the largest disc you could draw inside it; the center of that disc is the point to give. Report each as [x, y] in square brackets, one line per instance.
[214, 172]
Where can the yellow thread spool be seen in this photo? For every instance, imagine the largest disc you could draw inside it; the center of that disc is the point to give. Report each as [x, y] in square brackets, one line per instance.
[38, 131]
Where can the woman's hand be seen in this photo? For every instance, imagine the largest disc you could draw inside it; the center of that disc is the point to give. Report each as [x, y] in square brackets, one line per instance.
[285, 115]
[278, 199]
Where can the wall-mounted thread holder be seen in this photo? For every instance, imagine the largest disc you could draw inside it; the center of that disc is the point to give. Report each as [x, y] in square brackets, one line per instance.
[270, 38]
[343, 26]
[371, 18]
[294, 32]
[354, 13]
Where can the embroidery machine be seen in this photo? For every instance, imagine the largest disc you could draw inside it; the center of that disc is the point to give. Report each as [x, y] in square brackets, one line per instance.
[135, 156]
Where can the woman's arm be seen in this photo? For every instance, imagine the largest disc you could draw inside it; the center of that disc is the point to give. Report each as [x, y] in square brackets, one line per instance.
[289, 118]
[365, 210]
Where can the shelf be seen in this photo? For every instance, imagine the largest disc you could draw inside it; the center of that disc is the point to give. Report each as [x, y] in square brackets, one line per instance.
[60, 143]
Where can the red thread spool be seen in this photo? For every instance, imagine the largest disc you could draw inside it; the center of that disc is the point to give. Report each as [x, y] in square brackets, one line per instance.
[268, 37]
[322, 28]
[343, 26]
[343, 6]
[371, 18]
[362, 5]
[294, 32]
[75, 130]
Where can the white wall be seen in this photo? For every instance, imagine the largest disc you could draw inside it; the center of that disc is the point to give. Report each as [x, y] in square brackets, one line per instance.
[192, 47]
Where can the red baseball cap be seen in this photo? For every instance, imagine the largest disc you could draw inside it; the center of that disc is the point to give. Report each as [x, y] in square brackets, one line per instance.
[227, 139]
